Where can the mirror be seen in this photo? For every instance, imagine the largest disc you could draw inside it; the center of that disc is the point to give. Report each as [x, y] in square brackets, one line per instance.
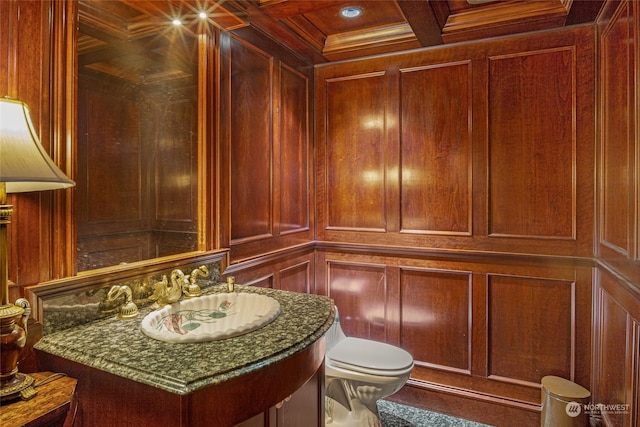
[138, 133]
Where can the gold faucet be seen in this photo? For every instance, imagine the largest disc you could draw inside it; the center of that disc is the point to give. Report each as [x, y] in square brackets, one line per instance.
[181, 284]
[128, 310]
[164, 294]
[192, 289]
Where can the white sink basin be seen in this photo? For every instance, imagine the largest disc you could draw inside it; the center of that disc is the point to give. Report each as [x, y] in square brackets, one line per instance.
[210, 317]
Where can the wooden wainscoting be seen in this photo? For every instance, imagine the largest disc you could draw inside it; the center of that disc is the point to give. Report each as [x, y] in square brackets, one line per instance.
[616, 348]
[292, 270]
[482, 331]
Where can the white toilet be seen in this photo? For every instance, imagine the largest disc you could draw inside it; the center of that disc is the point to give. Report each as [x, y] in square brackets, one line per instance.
[358, 373]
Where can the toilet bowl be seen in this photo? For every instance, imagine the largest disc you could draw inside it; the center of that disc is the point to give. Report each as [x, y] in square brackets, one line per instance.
[359, 372]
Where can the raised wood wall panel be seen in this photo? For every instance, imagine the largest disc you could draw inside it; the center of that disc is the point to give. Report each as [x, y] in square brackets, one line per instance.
[612, 383]
[251, 142]
[618, 139]
[297, 278]
[518, 173]
[532, 144]
[436, 149]
[359, 291]
[295, 149]
[435, 317]
[24, 54]
[356, 148]
[531, 328]
[261, 282]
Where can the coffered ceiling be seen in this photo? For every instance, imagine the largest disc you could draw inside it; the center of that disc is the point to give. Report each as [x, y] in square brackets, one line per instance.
[315, 29]
[128, 38]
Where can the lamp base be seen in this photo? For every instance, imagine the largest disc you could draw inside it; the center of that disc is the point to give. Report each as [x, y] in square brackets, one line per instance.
[20, 386]
[13, 337]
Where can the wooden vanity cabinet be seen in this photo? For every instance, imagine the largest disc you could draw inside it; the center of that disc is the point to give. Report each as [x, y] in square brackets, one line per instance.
[302, 408]
[250, 400]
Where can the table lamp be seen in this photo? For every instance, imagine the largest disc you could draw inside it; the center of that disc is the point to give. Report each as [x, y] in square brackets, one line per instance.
[24, 166]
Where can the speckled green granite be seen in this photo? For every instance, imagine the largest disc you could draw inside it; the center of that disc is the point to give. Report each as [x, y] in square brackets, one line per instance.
[397, 415]
[119, 347]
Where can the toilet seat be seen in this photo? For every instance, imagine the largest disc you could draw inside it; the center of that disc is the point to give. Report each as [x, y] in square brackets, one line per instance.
[369, 357]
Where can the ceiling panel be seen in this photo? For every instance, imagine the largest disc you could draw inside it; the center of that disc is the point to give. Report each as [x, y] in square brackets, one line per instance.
[316, 31]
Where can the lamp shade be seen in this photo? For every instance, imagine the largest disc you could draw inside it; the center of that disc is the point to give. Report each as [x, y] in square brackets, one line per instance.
[24, 164]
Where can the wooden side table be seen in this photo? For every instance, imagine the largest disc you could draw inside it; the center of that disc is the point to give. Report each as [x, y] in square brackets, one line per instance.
[54, 405]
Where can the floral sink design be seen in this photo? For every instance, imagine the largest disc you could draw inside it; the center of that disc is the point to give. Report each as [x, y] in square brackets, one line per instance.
[210, 317]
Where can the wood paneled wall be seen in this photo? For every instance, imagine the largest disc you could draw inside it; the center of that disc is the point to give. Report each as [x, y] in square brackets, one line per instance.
[439, 174]
[36, 250]
[266, 146]
[435, 155]
[618, 238]
[616, 360]
[478, 147]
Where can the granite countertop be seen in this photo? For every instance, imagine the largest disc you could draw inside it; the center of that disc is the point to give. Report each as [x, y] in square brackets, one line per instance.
[119, 346]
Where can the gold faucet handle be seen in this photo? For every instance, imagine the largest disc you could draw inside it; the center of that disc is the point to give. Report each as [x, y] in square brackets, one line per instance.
[164, 294]
[231, 284]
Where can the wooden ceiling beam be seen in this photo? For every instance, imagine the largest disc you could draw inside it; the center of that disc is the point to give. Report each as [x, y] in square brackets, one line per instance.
[422, 18]
[504, 18]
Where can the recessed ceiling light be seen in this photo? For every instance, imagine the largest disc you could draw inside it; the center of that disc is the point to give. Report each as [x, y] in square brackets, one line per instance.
[350, 12]
[176, 22]
[202, 15]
